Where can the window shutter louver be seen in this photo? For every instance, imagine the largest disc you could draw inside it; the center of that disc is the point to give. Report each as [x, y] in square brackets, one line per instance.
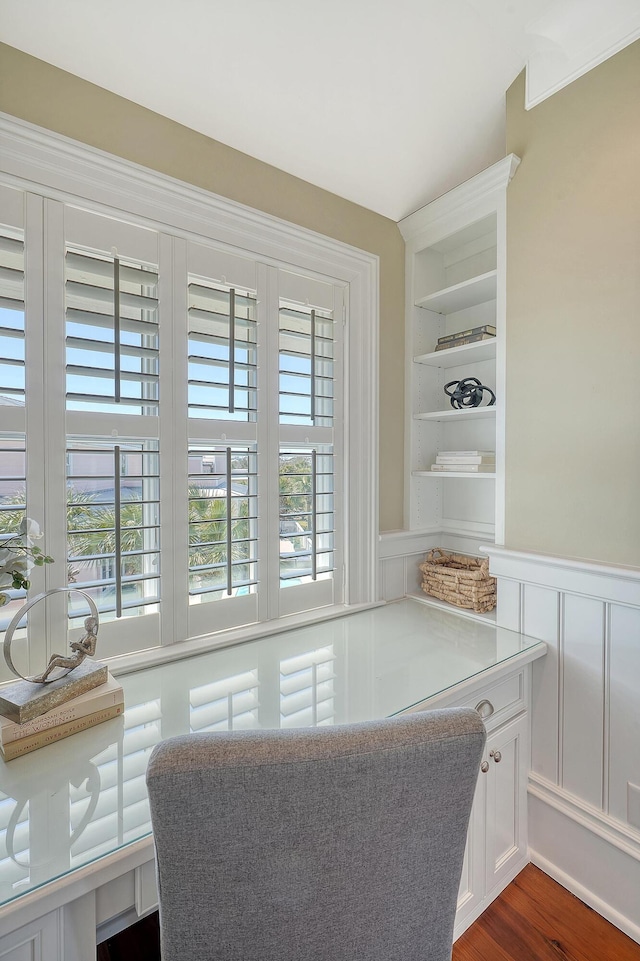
[12, 324]
[222, 352]
[306, 514]
[112, 334]
[113, 517]
[223, 518]
[13, 485]
[306, 353]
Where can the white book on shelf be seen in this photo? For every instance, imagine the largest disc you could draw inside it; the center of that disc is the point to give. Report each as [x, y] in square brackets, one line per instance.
[466, 453]
[461, 459]
[464, 468]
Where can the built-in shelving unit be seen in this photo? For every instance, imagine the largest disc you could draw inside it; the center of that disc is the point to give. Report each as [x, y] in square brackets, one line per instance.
[455, 272]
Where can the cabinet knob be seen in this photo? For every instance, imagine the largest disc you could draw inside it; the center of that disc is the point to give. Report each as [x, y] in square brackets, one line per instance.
[496, 755]
[484, 708]
[484, 767]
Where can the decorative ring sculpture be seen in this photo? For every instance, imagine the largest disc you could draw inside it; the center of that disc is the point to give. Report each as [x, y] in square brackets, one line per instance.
[468, 392]
[80, 653]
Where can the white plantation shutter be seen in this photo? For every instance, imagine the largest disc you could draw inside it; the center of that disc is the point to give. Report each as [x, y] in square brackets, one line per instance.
[223, 519]
[223, 359]
[310, 441]
[190, 407]
[111, 333]
[223, 368]
[113, 401]
[12, 299]
[12, 361]
[13, 485]
[114, 525]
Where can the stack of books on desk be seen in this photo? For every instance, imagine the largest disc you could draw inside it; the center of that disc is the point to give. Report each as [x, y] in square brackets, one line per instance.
[472, 336]
[85, 711]
[466, 461]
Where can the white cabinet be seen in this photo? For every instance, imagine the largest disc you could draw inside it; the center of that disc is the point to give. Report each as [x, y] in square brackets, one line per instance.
[455, 270]
[497, 846]
[38, 941]
[505, 786]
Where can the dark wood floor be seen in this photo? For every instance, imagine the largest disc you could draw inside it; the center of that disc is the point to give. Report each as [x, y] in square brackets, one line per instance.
[534, 919]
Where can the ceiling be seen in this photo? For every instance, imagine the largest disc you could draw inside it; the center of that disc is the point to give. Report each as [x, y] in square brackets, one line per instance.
[388, 103]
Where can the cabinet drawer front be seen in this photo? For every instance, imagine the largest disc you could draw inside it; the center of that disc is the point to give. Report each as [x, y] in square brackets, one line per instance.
[499, 702]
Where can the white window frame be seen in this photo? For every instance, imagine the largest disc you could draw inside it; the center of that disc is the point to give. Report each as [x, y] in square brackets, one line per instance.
[59, 169]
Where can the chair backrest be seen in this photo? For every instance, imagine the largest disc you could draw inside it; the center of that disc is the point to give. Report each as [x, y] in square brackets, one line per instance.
[326, 844]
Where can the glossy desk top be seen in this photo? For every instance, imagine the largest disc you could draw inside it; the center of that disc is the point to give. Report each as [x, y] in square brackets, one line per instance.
[72, 802]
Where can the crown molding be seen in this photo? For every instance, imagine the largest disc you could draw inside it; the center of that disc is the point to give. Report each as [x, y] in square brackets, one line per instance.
[480, 188]
[562, 54]
[67, 169]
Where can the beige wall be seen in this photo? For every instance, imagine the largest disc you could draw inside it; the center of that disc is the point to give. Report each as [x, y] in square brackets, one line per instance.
[573, 331]
[44, 95]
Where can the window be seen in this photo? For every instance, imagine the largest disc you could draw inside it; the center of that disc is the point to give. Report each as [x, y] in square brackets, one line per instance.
[178, 396]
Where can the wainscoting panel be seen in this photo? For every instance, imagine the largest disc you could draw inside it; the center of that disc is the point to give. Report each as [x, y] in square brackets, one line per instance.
[623, 708]
[582, 645]
[541, 618]
[584, 787]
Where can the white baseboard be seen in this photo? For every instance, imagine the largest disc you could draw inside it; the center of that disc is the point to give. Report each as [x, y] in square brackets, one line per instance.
[602, 907]
[588, 853]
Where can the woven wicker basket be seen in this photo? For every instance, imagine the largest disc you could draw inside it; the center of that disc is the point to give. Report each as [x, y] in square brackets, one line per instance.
[460, 580]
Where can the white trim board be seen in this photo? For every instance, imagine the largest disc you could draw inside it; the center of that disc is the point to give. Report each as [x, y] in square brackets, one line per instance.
[608, 582]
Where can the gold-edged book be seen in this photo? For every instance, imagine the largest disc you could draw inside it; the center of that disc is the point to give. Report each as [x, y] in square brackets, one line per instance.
[25, 745]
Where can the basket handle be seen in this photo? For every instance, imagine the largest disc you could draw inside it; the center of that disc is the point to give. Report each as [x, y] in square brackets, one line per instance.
[436, 552]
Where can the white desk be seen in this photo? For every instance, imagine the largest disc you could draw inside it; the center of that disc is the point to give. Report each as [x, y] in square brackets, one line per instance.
[75, 838]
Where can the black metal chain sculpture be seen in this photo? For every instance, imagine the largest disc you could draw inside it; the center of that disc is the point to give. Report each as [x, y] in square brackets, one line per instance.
[468, 392]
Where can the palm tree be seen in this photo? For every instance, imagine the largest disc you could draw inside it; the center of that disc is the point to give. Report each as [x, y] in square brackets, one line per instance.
[208, 531]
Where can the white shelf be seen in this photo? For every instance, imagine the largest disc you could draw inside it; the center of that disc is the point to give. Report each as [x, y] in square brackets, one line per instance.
[454, 473]
[477, 290]
[472, 413]
[455, 356]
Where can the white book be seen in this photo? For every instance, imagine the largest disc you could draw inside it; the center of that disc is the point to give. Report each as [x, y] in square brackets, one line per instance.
[461, 459]
[466, 453]
[98, 699]
[464, 468]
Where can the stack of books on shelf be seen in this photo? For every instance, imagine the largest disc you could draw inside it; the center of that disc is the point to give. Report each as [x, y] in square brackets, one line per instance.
[466, 461]
[485, 332]
[82, 712]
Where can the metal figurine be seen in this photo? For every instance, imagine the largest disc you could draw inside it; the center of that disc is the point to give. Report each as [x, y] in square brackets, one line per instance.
[85, 647]
[468, 392]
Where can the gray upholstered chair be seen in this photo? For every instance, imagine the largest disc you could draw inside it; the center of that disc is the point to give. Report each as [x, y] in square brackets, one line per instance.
[333, 844]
